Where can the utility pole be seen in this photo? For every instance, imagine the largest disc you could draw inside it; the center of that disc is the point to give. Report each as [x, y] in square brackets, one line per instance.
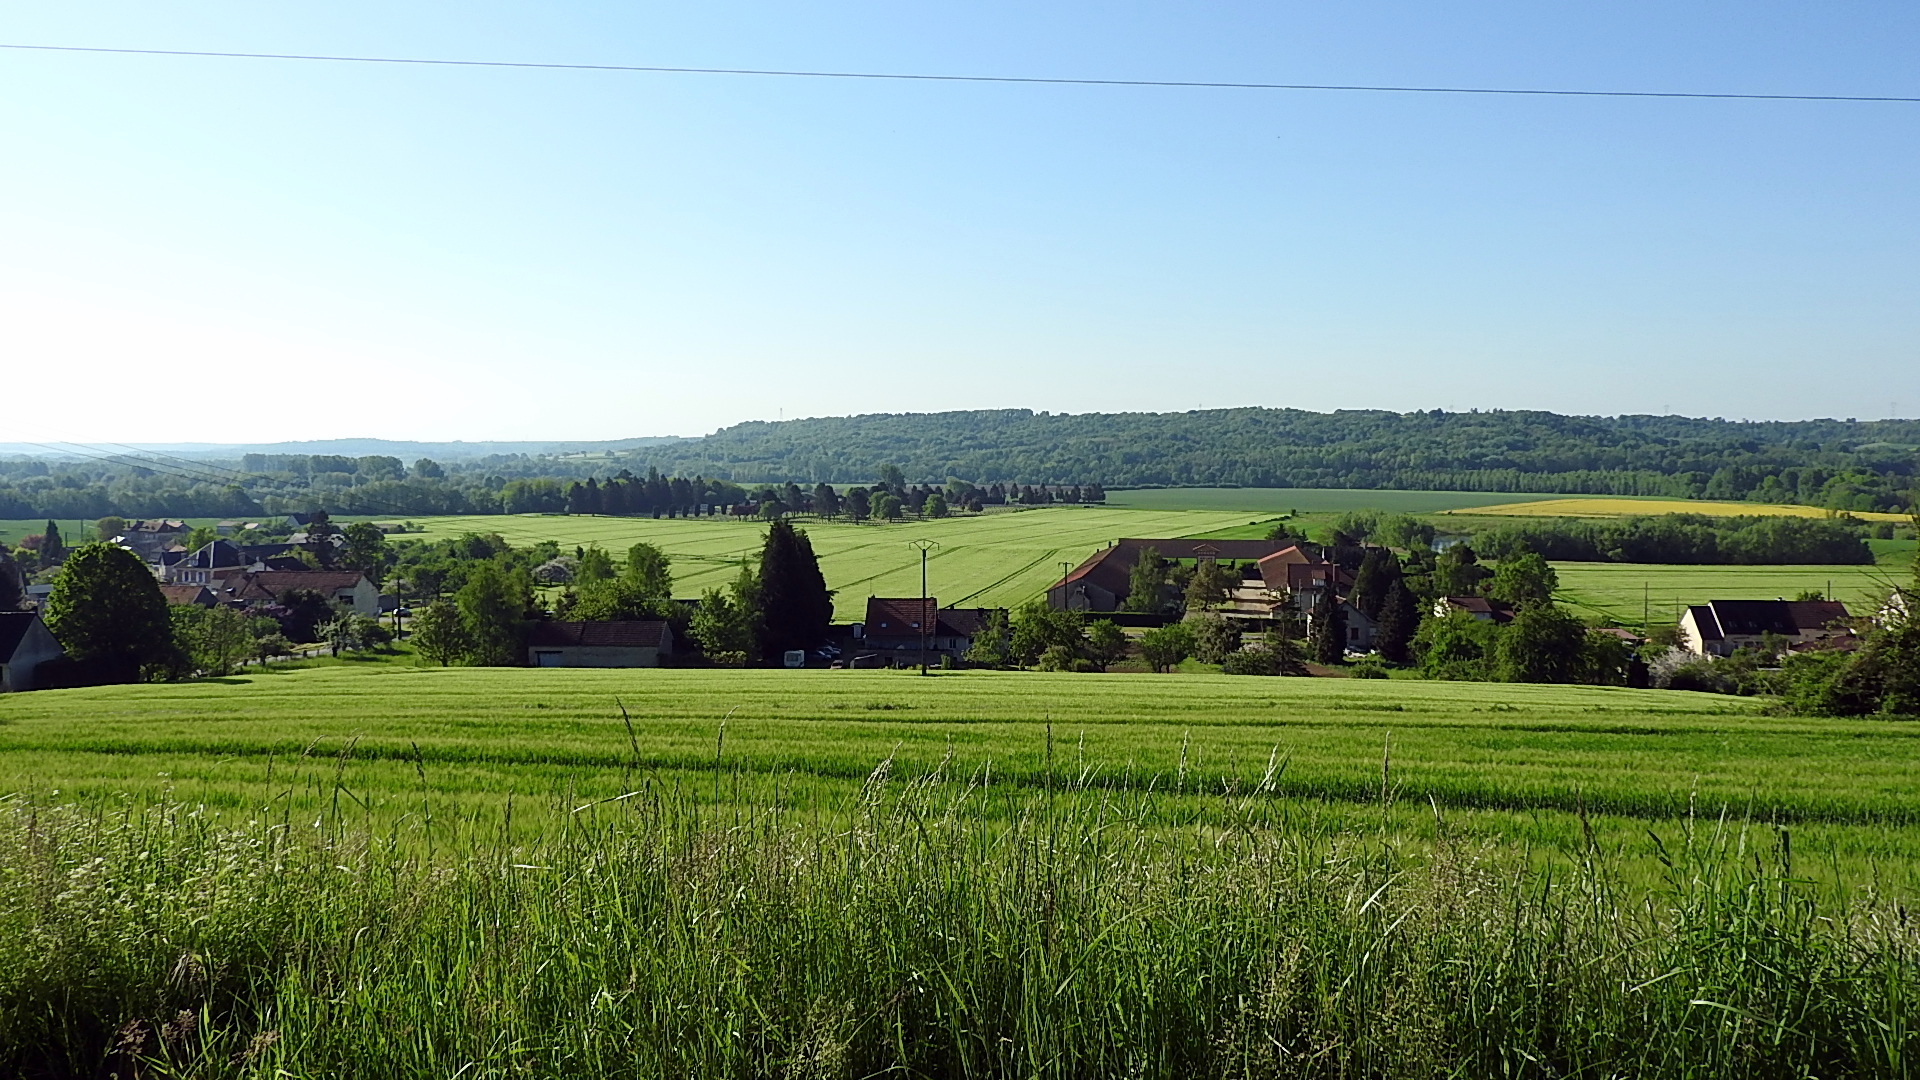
[1065, 569]
[926, 616]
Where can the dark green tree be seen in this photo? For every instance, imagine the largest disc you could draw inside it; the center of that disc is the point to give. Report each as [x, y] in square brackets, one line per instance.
[1106, 643]
[1214, 638]
[12, 581]
[365, 550]
[303, 612]
[1145, 582]
[493, 613]
[50, 546]
[1037, 627]
[437, 633]
[991, 645]
[1523, 579]
[1163, 647]
[106, 610]
[595, 565]
[1207, 587]
[1543, 644]
[1457, 572]
[795, 604]
[649, 572]
[1327, 634]
[859, 504]
[1457, 647]
[1399, 620]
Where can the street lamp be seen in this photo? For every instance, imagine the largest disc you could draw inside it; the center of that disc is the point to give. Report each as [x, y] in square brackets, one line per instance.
[923, 546]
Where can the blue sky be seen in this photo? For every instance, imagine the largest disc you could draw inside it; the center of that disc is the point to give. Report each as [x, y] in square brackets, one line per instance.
[246, 250]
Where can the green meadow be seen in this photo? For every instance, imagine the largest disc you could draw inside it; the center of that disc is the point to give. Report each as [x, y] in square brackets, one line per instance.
[1624, 592]
[992, 560]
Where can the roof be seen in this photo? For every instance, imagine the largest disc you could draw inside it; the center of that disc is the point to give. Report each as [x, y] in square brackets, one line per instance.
[217, 554]
[626, 634]
[13, 629]
[961, 622]
[1110, 569]
[1480, 607]
[158, 526]
[1789, 618]
[901, 615]
[1215, 549]
[188, 594]
[269, 584]
[1294, 569]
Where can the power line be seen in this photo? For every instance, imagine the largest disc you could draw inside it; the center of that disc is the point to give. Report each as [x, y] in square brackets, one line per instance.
[1019, 79]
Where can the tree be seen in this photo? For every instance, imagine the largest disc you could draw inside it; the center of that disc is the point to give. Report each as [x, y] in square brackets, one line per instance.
[365, 550]
[1163, 647]
[892, 478]
[267, 646]
[1272, 655]
[1214, 638]
[990, 647]
[428, 469]
[1379, 573]
[12, 581]
[438, 633]
[199, 537]
[212, 641]
[1106, 642]
[1327, 634]
[50, 546]
[726, 626]
[889, 507]
[1543, 644]
[1207, 587]
[936, 506]
[1145, 582]
[303, 613]
[1038, 627]
[595, 565]
[649, 572]
[614, 601]
[1457, 647]
[106, 609]
[1457, 572]
[825, 502]
[493, 608]
[795, 604]
[1522, 580]
[1283, 533]
[859, 504]
[109, 527]
[1399, 620]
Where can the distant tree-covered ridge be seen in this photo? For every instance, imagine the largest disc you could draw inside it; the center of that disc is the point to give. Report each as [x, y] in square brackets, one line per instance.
[1835, 464]
[1840, 464]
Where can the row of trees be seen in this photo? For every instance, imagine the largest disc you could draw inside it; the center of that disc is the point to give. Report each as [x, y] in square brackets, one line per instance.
[1684, 538]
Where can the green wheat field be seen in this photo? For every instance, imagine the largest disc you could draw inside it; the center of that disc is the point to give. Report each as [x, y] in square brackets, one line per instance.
[373, 868]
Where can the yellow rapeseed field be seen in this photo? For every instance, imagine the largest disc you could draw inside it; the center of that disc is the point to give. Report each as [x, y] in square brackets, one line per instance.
[1587, 507]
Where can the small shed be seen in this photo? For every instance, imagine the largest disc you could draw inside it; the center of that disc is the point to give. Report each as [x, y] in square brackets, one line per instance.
[25, 645]
[610, 644]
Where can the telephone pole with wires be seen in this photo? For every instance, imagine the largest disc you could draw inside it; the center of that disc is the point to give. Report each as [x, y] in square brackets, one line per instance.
[923, 546]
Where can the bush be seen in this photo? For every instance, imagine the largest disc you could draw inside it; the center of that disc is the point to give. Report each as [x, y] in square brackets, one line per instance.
[1367, 669]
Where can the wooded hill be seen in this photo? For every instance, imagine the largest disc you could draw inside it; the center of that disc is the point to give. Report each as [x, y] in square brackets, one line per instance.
[1842, 464]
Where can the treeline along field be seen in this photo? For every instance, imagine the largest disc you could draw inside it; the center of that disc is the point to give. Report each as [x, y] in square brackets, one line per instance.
[398, 872]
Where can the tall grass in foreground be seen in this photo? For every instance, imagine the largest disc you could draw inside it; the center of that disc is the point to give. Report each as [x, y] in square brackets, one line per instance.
[910, 934]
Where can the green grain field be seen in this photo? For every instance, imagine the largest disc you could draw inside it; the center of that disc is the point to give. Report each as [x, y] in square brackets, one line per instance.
[376, 869]
[1310, 500]
[992, 560]
[1624, 592]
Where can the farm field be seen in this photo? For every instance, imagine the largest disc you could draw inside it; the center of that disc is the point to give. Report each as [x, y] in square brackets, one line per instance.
[1602, 507]
[373, 869]
[1620, 591]
[993, 560]
[1310, 500]
[1508, 762]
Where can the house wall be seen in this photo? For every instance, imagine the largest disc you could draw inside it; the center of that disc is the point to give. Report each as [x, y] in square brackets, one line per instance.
[1690, 638]
[37, 647]
[1081, 596]
[593, 656]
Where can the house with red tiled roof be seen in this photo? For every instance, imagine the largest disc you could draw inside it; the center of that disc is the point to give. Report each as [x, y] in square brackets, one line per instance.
[348, 588]
[612, 643]
[894, 626]
[196, 595]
